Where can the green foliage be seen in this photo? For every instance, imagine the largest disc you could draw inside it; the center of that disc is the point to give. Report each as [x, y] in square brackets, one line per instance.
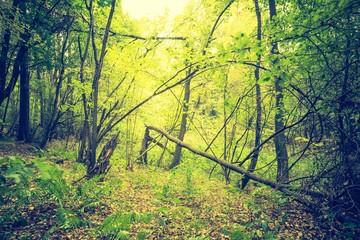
[29, 186]
[141, 235]
[15, 189]
[104, 3]
[15, 170]
[167, 191]
[68, 219]
[238, 233]
[62, 153]
[51, 181]
[189, 189]
[198, 224]
[199, 238]
[117, 226]
[72, 201]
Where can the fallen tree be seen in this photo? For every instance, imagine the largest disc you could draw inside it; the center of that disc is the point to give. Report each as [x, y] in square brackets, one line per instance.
[298, 194]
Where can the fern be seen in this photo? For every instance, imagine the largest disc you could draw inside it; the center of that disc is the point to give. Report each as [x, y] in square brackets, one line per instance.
[238, 234]
[89, 189]
[43, 182]
[15, 177]
[117, 225]
[89, 195]
[72, 201]
[15, 170]
[69, 220]
[113, 225]
[51, 181]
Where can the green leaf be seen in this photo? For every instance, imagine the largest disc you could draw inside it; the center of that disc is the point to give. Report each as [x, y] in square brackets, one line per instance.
[259, 233]
[16, 177]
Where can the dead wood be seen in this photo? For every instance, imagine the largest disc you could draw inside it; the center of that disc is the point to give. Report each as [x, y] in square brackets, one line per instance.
[102, 165]
[285, 188]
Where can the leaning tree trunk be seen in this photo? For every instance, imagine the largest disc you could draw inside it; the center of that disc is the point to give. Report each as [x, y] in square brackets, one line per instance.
[287, 189]
[279, 139]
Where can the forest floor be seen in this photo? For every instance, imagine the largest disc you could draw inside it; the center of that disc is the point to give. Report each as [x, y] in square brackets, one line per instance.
[146, 203]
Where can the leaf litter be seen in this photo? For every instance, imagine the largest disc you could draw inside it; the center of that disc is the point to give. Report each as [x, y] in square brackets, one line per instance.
[165, 206]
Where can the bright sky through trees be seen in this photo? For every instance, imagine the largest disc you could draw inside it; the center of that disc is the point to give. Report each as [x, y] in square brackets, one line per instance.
[153, 8]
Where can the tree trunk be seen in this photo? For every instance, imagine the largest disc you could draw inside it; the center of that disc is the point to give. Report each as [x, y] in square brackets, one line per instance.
[55, 108]
[102, 166]
[279, 139]
[4, 55]
[24, 111]
[15, 73]
[346, 132]
[177, 154]
[144, 147]
[85, 139]
[95, 86]
[255, 156]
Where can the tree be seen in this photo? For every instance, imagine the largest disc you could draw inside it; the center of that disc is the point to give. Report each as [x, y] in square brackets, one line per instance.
[255, 156]
[5, 91]
[28, 24]
[279, 139]
[56, 113]
[99, 61]
[183, 124]
[24, 111]
[177, 154]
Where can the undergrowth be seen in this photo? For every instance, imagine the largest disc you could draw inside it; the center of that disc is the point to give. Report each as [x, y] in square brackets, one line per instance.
[147, 203]
[26, 188]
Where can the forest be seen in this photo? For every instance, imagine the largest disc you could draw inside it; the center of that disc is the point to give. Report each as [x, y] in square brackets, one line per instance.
[229, 120]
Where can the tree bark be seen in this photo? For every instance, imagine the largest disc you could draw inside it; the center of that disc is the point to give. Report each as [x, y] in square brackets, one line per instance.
[85, 137]
[95, 86]
[144, 147]
[55, 108]
[279, 139]
[4, 55]
[177, 154]
[24, 111]
[255, 156]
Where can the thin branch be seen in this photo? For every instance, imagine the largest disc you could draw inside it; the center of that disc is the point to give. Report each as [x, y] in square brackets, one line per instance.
[146, 38]
[273, 135]
[216, 24]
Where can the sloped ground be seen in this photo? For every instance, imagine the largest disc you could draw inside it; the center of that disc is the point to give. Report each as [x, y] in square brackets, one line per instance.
[150, 203]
